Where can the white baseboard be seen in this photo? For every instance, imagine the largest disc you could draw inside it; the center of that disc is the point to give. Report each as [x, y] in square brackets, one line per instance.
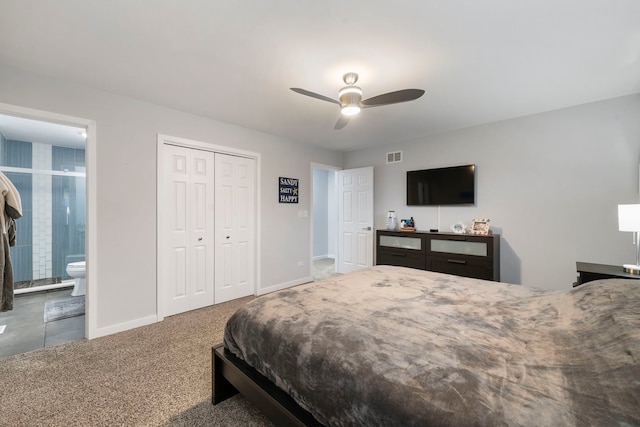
[144, 321]
[285, 285]
[125, 326]
[329, 256]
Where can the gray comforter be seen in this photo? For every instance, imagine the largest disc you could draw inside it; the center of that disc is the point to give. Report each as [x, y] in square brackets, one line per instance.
[399, 347]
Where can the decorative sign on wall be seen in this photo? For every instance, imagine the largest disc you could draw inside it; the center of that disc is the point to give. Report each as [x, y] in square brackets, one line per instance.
[288, 190]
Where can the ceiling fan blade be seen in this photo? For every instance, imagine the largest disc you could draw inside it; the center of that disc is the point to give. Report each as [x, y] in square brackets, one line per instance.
[342, 122]
[314, 95]
[393, 97]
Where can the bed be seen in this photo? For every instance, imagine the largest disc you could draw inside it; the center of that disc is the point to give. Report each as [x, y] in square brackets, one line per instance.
[398, 346]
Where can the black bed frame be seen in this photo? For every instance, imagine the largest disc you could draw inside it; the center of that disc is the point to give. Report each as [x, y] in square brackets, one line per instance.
[231, 375]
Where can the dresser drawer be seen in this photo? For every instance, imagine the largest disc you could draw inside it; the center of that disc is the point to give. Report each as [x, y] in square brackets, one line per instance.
[393, 240]
[461, 266]
[460, 245]
[403, 258]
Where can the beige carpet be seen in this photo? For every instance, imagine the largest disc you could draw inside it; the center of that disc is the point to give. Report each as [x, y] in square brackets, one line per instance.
[156, 375]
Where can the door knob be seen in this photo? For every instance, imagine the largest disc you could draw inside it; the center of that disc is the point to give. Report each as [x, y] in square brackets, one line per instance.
[367, 228]
[199, 239]
[228, 237]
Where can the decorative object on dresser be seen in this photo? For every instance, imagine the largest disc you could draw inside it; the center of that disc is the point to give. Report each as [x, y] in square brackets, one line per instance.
[475, 256]
[408, 225]
[629, 220]
[480, 226]
[459, 227]
[392, 220]
[588, 272]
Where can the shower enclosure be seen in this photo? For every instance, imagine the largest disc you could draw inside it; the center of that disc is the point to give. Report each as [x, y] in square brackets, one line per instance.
[51, 233]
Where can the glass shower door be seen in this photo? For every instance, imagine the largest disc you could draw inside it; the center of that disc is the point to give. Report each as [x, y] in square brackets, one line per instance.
[68, 222]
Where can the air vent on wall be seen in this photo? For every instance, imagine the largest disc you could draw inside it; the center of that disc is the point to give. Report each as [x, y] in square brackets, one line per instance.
[395, 157]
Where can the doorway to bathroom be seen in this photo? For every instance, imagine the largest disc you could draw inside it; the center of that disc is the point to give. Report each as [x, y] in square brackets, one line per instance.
[46, 163]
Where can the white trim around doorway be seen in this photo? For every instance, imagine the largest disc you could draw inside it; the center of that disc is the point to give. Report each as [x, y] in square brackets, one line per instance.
[198, 145]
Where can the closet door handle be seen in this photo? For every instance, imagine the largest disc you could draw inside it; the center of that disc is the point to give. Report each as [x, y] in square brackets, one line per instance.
[199, 239]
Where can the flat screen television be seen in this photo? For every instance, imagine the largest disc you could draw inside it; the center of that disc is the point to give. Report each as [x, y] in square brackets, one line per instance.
[453, 185]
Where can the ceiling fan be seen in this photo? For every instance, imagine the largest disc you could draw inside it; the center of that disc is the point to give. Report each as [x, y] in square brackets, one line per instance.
[350, 98]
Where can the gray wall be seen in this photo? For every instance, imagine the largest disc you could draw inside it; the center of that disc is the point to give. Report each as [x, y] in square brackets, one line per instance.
[550, 183]
[126, 188]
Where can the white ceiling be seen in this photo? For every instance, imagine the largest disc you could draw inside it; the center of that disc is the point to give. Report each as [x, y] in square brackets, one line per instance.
[234, 60]
[23, 129]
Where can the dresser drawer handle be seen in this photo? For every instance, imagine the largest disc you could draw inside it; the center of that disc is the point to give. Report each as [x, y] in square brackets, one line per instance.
[456, 261]
[396, 254]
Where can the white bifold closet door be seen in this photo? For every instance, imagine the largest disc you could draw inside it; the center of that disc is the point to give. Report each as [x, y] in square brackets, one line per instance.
[234, 227]
[189, 226]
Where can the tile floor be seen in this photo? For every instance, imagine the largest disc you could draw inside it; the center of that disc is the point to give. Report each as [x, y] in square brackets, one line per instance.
[25, 328]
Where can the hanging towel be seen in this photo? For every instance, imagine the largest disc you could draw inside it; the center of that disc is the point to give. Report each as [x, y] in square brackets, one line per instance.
[6, 291]
[11, 203]
[10, 210]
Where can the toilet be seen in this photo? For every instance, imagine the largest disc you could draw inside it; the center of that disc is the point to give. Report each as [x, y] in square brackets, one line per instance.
[77, 270]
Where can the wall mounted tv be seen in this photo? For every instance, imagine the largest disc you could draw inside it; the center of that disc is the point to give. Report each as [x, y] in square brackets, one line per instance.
[442, 186]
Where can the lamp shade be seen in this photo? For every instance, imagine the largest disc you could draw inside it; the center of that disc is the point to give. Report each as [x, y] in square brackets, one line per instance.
[629, 217]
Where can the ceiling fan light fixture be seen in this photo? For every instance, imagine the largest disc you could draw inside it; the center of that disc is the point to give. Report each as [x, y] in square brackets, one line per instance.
[350, 110]
[350, 97]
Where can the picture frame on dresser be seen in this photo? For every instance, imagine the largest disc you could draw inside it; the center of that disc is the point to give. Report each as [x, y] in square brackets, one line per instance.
[480, 226]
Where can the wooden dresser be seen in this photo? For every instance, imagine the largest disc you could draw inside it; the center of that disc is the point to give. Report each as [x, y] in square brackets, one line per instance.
[460, 254]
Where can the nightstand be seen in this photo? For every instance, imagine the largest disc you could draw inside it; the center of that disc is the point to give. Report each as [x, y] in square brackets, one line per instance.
[588, 272]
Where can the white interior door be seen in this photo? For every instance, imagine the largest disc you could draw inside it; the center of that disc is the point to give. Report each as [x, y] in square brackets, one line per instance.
[355, 219]
[234, 227]
[189, 208]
